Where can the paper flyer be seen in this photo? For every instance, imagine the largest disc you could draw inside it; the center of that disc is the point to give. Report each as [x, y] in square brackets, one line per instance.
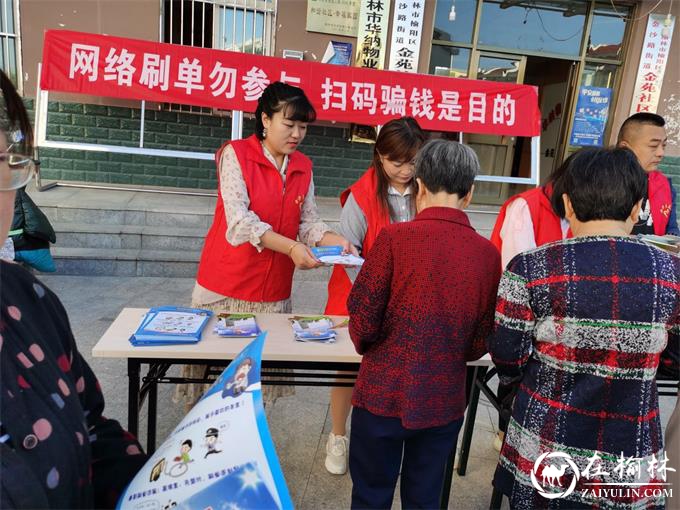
[221, 455]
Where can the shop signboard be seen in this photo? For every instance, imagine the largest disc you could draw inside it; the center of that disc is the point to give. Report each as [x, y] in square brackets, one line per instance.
[339, 17]
[655, 51]
[101, 65]
[407, 28]
[374, 18]
[590, 118]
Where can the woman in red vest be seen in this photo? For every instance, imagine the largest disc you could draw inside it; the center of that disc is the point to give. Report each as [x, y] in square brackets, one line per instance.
[527, 220]
[524, 222]
[265, 220]
[381, 196]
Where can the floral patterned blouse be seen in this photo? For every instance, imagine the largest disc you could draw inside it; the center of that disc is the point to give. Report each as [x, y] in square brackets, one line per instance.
[243, 225]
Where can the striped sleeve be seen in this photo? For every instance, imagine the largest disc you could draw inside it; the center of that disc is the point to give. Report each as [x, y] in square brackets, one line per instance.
[510, 344]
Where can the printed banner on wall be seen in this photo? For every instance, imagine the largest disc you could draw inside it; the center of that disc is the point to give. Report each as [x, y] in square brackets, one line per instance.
[107, 66]
[374, 19]
[198, 465]
[590, 118]
[407, 28]
[652, 66]
[339, 17]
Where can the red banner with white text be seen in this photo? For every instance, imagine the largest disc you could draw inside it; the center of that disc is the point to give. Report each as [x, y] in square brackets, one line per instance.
[102, 65]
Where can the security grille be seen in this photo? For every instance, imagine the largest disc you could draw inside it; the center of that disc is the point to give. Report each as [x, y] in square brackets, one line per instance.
[235, 25]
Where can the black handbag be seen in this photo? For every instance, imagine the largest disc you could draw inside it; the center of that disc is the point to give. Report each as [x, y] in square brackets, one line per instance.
[31, 229]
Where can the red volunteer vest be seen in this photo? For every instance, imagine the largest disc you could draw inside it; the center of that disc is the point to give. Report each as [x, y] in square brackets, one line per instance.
[365, 192]
[547, 227]
[660, 200]
[240, 271]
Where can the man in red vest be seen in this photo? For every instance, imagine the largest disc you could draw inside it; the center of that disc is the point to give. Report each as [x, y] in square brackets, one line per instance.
[645, 134]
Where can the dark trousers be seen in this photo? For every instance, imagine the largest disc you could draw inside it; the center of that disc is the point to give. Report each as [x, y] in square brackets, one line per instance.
[375, 456]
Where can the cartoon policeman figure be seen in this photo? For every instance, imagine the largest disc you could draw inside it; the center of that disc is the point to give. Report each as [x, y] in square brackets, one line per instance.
[211, 441]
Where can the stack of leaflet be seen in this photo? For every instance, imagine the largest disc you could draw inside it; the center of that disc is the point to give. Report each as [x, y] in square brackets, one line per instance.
[238, 325]
[314, 329]
[668, 242]
[170, 325]
[330, 255]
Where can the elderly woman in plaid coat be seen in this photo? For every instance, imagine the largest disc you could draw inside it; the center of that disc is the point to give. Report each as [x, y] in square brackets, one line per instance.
[580, 327]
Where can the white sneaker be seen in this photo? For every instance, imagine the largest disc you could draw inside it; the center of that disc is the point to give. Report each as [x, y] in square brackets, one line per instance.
[337, 449]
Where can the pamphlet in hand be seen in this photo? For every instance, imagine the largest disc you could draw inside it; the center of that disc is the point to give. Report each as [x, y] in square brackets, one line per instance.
[237, 325]
[221, 455]
[668, 242]
[333, 255]
[314, 329]
[168, 325]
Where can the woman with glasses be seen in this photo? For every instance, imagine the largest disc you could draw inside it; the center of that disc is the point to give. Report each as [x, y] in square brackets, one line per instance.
[57, 450]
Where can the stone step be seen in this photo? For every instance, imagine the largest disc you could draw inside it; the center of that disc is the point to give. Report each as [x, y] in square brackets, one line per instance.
[144, 262]
[90, 235]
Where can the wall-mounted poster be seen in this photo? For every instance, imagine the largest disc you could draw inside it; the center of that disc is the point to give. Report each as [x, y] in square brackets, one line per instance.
[338, 53]
[590, 119]
[339, 17]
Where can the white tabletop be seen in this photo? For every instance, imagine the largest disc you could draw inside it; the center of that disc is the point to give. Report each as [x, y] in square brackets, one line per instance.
[279, 346]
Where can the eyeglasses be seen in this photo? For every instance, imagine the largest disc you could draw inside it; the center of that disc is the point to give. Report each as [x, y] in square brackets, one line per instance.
[16, 170]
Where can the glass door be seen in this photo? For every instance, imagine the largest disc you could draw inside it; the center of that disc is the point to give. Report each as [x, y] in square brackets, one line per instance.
[495, 153]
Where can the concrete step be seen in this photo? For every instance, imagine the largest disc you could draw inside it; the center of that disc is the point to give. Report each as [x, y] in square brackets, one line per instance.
[144, 262]
[90, 235]
[125, 262]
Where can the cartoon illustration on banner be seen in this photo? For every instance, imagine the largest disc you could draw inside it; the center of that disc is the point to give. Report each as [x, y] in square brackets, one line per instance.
[194, 467]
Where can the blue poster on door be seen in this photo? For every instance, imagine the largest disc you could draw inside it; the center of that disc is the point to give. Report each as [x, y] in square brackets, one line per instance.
[221, 454]
[590, 119]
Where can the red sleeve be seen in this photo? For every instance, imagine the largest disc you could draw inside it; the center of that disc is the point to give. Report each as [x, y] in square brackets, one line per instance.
[370, 294]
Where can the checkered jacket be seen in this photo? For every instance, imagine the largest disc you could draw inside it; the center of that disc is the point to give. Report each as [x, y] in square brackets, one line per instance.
[580, 326]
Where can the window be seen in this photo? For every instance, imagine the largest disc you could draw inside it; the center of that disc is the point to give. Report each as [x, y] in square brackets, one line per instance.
[9, 41]
[607, 31]
[234, 25]
[454, 20]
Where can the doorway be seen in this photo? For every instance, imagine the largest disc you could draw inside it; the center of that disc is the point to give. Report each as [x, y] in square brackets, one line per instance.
[511, 156]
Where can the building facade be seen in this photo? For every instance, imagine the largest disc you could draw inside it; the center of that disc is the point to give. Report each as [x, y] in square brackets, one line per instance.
[583, 55]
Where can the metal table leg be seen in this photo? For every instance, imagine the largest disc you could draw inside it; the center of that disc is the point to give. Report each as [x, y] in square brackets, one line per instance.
[133, 396]
[480, 372]
[152, 419]
[496, 499]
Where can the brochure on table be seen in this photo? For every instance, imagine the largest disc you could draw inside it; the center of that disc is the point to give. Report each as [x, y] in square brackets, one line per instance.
[221, 454]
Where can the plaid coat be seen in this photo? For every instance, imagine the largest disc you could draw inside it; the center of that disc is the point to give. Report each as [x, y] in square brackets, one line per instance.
[580, 326]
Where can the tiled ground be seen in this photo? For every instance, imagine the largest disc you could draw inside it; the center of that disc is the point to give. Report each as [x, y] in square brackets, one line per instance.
[299, 424]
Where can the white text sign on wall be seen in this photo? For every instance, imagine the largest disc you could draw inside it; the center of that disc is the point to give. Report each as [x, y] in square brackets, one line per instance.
[407, 27]
[374, 18]
[652, 66]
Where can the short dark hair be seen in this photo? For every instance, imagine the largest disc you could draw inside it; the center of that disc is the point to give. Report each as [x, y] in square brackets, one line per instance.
[602, 184]
[636, 120]
[279, 96]
[188, 443]
[444, 165]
